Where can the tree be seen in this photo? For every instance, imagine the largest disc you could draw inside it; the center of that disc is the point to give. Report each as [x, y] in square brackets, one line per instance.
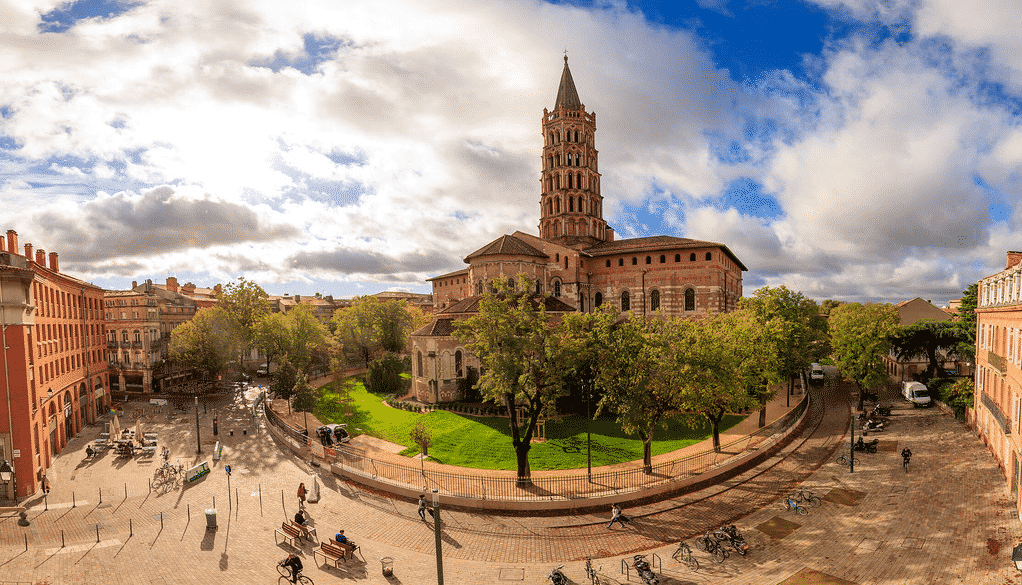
[796, 337]
[370, 325]
[724, 360]
[828, 305]
[860, 337]
[928, 339]
[297, 339]
[515, 343]
[246, 302]
[642, 371]
[421, 436]
[967, 318]
[207, 343]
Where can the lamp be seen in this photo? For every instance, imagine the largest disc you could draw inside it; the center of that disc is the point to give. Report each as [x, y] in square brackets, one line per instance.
[6, 473]
[436, 532]
[1016, 557]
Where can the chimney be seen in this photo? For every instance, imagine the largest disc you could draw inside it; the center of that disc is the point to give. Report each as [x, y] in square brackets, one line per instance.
[12, 241]
[172, 283]
[1013, 259]
[40, 257]
[610, 234]
[188, 288]
[28, 252]
[54, 264]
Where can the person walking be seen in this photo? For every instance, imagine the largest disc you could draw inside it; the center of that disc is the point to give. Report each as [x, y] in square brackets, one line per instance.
[422, 507]
[616, 516]
[301, 496]
[46, 485]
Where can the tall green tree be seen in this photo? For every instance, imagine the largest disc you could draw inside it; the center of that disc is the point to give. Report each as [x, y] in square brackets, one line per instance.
[370, 325]
[643, 372]
[860, 336]
[208, 343]
[298, 340]
[725, 360]
[516, 344]
[967, 319]
[247, 303]
[930, 340]
[796, 336]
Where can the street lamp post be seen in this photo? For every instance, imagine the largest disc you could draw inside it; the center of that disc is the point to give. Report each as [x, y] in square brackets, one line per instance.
[589, 424]
[439, 544]
[198, 441]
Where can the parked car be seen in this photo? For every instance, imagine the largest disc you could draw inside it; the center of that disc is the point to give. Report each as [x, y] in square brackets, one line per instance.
[816, 374]
[333, 433]
[915, 393]
[262, 372]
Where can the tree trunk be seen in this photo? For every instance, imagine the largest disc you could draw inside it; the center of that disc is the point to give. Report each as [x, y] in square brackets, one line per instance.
[647, 453]
[762, 417]
[861, 397]
[715, 423]
[522, 457]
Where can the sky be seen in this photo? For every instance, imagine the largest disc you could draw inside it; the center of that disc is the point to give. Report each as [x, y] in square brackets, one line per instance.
[859, 150]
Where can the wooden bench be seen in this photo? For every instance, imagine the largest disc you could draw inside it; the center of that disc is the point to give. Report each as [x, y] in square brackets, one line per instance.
[288, 533]
[331, 552]
[305, 530]
[349, 548]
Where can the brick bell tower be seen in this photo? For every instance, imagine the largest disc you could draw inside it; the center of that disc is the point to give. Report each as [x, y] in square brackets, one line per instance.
[571, 207]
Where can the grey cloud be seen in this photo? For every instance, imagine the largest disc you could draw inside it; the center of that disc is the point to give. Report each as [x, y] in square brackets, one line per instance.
[351, 261]
[153, 224]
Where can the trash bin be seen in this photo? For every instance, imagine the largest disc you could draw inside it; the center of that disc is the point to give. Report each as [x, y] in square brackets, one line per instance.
[210, 518]
[388, 566]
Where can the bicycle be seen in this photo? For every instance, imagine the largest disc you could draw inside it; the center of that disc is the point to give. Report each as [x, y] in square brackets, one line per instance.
[591, 572]
[285, 575]
[791, 504]
[709, 544]
[803, 495]
[684, 555]
[843, 460]
[904, 463]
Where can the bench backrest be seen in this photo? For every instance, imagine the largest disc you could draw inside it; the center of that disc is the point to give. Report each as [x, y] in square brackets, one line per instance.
[289, 529]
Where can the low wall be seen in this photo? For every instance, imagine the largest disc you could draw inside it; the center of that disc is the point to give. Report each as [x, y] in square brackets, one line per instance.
[564, 505]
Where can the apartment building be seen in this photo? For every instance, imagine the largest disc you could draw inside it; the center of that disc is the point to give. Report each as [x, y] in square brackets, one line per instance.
[996, 408]
[55, 365]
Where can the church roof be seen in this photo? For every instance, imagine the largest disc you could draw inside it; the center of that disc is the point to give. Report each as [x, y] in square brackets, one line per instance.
[507, 246]
[656, 243]
[438, 328]
[471, 305]
[567, 96]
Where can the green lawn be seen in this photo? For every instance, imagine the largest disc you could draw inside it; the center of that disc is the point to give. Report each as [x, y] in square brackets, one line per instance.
[485, 442]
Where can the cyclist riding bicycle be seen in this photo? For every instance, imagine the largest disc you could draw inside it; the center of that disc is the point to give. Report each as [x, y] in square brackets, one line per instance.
[906, 454]
[295, 564]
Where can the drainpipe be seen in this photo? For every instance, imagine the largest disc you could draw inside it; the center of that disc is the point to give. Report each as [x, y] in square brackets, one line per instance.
[7, 382]
[643, 293]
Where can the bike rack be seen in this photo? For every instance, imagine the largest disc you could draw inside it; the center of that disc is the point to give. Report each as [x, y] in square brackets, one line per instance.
[657, 559]
[626, 569]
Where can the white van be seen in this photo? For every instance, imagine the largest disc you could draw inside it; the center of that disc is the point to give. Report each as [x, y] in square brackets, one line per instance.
[815, 374]
[915, 393]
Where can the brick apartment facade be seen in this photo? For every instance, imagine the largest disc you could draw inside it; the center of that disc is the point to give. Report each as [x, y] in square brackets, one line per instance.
[54, 366]
[996, 408]
[575, 259]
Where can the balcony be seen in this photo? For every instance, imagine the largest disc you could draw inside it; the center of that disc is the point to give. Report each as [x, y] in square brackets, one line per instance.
[111, 344]
[997, 362]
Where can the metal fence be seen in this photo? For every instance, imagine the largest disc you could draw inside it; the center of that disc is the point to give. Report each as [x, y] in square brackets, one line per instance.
[559, 486]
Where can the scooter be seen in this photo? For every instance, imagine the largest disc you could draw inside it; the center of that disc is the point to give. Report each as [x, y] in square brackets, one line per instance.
[870, 447]
[872, 426]
[644, 571]
[557, 577]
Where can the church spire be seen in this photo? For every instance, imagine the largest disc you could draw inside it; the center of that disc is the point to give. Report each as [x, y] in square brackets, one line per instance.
[567, 96]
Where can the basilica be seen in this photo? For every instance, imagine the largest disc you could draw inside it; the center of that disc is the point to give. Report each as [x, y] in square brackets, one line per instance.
[575, 260]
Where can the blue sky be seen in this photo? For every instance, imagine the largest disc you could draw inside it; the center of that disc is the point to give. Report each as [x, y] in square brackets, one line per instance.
[851, 149]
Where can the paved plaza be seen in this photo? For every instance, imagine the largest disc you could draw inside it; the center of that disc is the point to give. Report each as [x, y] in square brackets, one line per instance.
[948, 520]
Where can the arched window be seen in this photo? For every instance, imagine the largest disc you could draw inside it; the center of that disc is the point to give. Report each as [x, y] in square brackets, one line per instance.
[565, 262]
[649, 260]
[457, 364]
[571, 200]
[620, 261]
[539, 287]
[608, 262]
[557, 203]
[510, 283]
[557, 257]
[634, 260]
[557, 288]
[663, 258]
[576, 135]
[418, 361]
[690, 299]
[709, 256]
[598, 299]
[479, 287]
[692, 257]
[677, 257]
[654, 300]
[626, 303]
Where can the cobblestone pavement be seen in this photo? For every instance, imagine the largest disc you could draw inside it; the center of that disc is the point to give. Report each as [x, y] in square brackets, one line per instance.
[947, 520]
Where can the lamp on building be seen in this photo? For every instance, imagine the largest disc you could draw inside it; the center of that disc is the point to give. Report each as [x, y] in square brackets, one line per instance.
[7, 476]
[6, 473]
[1016, 557]
[439, 543]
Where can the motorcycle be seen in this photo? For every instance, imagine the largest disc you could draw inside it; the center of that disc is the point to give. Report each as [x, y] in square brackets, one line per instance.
[644, 571]
[557, 577]
[872, 426]
[882, 410]
[870, 447]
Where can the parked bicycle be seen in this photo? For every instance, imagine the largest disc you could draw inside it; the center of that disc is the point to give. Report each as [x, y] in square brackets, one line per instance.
[556, 577]
[711, 545]
[594, 578]
[684, 555]
[803, 495]
[644, 571]
[791, 504]
[730, 535]
[843, 459]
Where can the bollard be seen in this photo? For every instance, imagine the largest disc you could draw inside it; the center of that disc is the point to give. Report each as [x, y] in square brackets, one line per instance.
[161, 521]
[214, 502]
[61, 539]
[26, 542]
[131, 528]
[125, 491]
[260, 500]
[150, 485]
[97, 534]
[46, 504]
[100, 495]
[189, 508]
[237, 502]
[73, 502]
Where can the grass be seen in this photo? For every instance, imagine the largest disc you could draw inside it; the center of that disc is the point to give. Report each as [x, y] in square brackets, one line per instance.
[485, 442]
